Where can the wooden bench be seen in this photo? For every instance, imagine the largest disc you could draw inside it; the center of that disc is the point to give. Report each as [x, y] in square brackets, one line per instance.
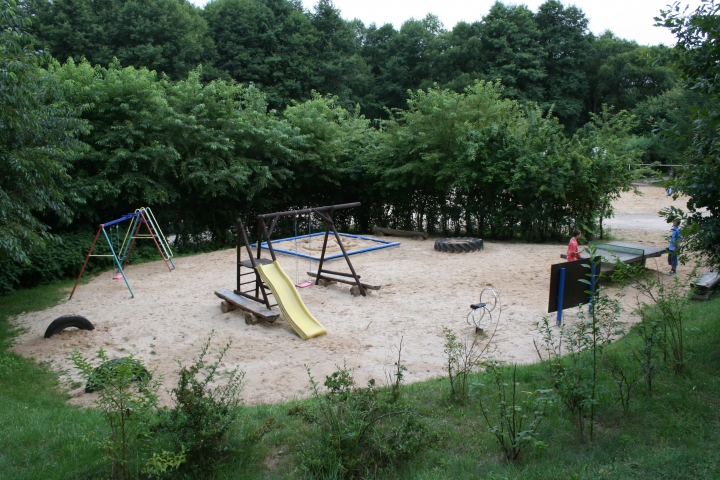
[341, 279]
[704, 284]
[707, 280]
[233, 301]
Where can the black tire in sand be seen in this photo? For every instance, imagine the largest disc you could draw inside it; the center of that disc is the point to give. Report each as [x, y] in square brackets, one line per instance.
[458, 245]
[68, 321]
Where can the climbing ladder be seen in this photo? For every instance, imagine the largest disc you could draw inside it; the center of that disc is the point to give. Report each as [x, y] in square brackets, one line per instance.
[144, 216]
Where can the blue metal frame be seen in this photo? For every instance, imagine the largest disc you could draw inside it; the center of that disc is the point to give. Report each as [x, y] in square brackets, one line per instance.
[385, 244]
[561, 295]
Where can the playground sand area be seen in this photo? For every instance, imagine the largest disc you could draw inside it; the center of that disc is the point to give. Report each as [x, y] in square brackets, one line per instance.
[173, 313]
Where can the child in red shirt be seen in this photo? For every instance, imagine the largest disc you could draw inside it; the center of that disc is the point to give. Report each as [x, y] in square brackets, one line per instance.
[572, 252]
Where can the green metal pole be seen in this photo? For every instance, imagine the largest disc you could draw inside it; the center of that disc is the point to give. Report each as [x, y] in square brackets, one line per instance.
[117, 262]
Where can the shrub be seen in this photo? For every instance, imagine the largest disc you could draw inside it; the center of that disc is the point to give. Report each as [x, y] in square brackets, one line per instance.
[359, 431]
[512, 415]
[462, 358]
[199, 423]
[127, 396]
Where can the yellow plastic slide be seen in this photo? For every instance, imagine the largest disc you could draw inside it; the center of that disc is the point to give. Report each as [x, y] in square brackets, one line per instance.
[289, 301]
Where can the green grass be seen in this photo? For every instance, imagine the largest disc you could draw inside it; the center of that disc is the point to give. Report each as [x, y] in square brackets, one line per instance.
[41, 436]
[673, 434]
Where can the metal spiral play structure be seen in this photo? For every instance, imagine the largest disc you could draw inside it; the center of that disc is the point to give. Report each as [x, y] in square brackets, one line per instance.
[485, 312]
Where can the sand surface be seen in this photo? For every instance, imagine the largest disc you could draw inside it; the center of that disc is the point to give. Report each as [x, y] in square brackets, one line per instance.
[173, 313]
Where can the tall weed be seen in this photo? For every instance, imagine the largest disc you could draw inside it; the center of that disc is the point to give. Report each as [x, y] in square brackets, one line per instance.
[512, 415]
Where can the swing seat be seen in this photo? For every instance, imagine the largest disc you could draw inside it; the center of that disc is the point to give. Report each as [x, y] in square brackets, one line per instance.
[117, 276]
[305, 284]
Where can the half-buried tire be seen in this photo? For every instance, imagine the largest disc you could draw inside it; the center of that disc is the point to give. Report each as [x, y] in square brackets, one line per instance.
[68, 321]
[458, 245]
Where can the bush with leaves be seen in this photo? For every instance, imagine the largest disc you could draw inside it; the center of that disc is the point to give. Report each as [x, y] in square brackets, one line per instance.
[461, 359]
[512, 415]
[127, 397]
[204, 412]
[358, 431]
[662, 306]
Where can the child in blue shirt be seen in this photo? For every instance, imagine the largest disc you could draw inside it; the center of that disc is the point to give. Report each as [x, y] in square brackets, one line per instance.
[675, 237]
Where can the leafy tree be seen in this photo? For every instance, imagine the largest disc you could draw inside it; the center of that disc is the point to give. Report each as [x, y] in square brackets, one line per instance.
[622, 73]
[377, 49]
[331, 166]
[399, 60]
[457, 57]
[666, 120]
[129, 162]
[168, 36]
[235, 157]
[565, 38]
[340, 68]
[696, 56]
[200, 154]
[478, 163]
[512, 52]
[38, 137]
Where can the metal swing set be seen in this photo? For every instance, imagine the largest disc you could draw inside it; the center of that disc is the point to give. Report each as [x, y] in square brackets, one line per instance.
[121, 254]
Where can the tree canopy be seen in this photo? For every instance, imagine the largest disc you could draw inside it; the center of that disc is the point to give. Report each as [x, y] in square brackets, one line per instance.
[38, 138]
[697, 57]
[520, 125]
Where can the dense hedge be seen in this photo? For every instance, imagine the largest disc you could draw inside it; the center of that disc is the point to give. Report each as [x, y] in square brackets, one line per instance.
[202, 155]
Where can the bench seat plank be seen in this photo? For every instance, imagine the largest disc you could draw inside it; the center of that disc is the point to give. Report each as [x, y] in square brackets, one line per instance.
[247, 305]
[347, 280]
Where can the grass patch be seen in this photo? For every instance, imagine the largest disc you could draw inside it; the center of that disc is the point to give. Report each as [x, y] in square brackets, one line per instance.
[673, 433]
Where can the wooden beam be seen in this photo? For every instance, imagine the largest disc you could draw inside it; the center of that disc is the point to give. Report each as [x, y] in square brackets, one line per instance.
[400, 233]
[249, 306]
[341, 279]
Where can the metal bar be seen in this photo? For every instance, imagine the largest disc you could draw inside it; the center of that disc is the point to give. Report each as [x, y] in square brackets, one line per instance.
[156, 225]
[136, 226]
[117, 262]
[155, 240]
[86, 261]
[561, 295]
[310, 210]
[122, 219]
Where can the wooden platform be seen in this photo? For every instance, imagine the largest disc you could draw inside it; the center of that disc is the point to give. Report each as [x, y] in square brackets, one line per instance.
[706, 281]
[242, 303]
[341, 279]
[258, 261]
